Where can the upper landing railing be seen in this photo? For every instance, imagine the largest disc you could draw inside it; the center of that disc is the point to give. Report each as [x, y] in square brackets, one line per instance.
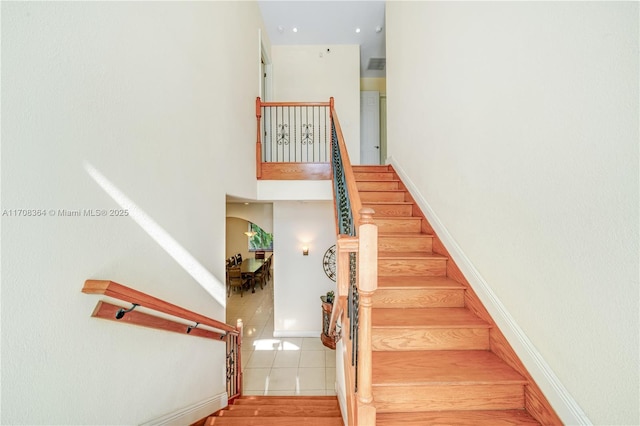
[293, 140]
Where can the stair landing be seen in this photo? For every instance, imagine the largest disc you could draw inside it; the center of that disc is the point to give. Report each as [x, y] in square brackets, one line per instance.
[281, 411]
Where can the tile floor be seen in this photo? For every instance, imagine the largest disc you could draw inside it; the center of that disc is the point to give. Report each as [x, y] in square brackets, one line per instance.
[278, 366]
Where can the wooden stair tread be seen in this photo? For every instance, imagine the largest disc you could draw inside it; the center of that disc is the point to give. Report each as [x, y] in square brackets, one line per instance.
[366, 167]
[395, 218]
[404, 235]
[283, 410]
[288, 400]
[280, 421]
[374, 175]
[416, 282]
[458, 418]
[387, 203]
[426, 318]
[461, 367]
[410, 255]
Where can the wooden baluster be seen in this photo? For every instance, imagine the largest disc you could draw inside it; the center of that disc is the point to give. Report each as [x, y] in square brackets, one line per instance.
[239, 326]
[367, 284]
[258, 139]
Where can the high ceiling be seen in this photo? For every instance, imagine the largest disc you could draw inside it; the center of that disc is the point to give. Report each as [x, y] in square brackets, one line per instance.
[329, 22]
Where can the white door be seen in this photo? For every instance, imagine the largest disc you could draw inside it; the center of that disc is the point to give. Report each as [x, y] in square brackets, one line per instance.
[369, 127]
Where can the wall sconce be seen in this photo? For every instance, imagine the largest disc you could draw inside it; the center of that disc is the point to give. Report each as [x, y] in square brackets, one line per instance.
[250, 233]
[305, 251]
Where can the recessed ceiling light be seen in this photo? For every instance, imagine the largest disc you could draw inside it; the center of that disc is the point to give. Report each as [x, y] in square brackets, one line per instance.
[295, 29]
[357, 30]
[378, 28]
[280, 29]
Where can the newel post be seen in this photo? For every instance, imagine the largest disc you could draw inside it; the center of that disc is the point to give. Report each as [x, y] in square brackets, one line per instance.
[367, 285]
[258, 140]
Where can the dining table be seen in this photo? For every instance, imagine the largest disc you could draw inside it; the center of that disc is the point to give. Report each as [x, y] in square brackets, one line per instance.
[249, 267]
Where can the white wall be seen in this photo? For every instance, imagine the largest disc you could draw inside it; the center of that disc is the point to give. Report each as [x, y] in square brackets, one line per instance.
[301, 74]
[146, 93]
[259, 213]
[518, 124]
[300, 280]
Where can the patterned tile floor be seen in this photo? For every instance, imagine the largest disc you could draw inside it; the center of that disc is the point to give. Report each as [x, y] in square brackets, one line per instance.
[278, 366]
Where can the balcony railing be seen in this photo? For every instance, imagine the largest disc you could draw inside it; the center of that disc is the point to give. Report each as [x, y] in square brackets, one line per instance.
[293, 140]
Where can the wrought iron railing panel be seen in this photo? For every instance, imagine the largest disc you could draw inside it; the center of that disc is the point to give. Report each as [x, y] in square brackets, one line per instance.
[293, 133]
[354, 303]
[233, 365]
[343, 204]
[346, 226]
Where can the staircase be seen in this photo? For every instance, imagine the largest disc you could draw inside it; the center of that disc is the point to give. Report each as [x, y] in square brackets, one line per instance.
[279, 410]
[432, 362]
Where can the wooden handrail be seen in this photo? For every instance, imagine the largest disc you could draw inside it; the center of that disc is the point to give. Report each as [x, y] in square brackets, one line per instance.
[268, 104]
[119, 291]
[109, 311]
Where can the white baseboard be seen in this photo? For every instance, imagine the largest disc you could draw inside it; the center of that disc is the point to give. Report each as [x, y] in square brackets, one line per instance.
[558, 396]
[191, 413]
[294, 333]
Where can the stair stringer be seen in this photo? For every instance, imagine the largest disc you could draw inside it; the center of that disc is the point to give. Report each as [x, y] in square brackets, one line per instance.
[535, 401]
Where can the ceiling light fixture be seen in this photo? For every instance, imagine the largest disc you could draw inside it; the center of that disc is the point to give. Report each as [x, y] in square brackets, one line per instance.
[295, 29]
[280, 29]
[378, 29]
[250, 233]
[357, 30]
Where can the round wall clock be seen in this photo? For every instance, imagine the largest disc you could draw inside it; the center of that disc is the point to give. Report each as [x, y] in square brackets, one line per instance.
[329, 262]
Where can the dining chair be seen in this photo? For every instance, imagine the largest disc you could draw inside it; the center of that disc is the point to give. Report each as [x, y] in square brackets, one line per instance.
[236, 280]
[259, 254]
[239, 258]
[267, 267]
[260, 276]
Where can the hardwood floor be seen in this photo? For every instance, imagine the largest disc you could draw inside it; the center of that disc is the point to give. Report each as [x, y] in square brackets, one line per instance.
[432, 359]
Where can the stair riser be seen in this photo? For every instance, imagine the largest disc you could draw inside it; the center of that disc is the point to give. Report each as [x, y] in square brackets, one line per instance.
[418, 298]
[374, 175]
[403, 339]
[287, 411]
[405, 244]
[279, 401]
[371, 168]
[382, 196]
[398, 225]
[448, 397]
[425, 267]
[402, 210]
[377, 185]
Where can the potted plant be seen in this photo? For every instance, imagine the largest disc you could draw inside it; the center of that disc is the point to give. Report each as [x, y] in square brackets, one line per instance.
[330, 296]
